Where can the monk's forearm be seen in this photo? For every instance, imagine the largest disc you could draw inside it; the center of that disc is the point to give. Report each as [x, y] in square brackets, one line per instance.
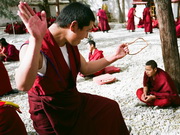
[145, 90]
[94, 66]
[29, 64]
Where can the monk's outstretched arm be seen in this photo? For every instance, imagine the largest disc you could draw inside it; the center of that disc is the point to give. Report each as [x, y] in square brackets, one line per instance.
[30, 58]
[94, 66]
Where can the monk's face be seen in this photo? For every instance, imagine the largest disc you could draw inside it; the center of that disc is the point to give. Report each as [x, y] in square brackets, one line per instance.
[75, 35]
[150, 72]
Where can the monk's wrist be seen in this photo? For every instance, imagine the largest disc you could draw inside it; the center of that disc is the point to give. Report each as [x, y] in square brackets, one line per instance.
[111, 59]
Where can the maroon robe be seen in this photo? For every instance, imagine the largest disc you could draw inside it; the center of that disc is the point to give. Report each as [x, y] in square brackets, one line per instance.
[130, 23]
[140, 24]
[11, 52]
[57, 107]
[9, 28]
[5, 85]
[147, 20]
[162, 87]
[10, 122]
[178, 31]
[98, 54]
[103, 20]
[155, 23]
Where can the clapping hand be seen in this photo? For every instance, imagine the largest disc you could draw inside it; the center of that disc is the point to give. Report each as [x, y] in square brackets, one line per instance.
[35, 25]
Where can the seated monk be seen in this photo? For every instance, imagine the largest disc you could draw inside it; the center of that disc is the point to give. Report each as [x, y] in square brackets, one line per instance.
[8, 52]
[159, 89]
[96, 54]
[94, 28]
[155, 23]
[9, 28]
[19, 28]
[141, 23]
[10, 122]
[5, 85]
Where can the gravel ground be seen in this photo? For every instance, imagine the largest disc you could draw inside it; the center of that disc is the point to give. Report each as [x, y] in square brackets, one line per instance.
[142, 119]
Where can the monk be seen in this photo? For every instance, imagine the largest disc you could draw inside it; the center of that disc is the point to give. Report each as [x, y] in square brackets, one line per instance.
[9, 28]
[49, 64]
[103, 20]
[10, 122]
[159, 89]
[5, 85]
[155, 23]
[8, 52]
[141, 23]
[131, 15]
[147, 19]
[94, 28]
[95, 54]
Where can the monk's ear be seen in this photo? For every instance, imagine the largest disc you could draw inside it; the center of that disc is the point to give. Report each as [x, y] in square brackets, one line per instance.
[73, 26]
[155, 69]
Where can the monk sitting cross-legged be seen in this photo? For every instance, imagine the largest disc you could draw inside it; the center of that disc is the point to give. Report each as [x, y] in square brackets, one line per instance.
[159, 89]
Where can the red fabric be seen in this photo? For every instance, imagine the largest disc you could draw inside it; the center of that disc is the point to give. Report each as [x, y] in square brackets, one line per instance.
[18, 28]
[158, 102]
[10, 122]
[177, 22]
[155, 23]
[140, 24]
[5, 85]
[61, 109]
[11, 52]
[103, 20]
[9, 29]
[131, 24]
[178, 30]
[162, 87]
[98, 54]
[147, 20]
[94, 29]
[104, 79]
[111, 69]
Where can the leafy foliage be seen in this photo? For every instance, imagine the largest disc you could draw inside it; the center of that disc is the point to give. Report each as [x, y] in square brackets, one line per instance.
[5, 10]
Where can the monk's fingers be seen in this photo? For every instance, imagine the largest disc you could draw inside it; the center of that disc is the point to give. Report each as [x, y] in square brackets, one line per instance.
[126, 49]
[25, 10]
[23, 17]
[43, 16]
[29, 9]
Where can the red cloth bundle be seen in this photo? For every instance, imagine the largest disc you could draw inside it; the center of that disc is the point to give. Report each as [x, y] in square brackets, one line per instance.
[104, 79]
[111, 69]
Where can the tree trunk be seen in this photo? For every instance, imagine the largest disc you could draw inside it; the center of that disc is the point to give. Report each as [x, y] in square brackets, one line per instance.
[120, 20]
[168, 40]
[46, 8]
[123, 11]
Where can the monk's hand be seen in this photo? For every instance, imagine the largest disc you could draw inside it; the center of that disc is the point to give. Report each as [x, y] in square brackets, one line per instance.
[122, 51]
[143, 97]
[150, 98]
[35, 25]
